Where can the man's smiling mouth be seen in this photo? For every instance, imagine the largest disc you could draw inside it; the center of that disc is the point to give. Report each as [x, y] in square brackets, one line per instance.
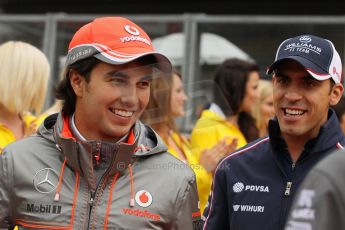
[294, 112]
[122, 113]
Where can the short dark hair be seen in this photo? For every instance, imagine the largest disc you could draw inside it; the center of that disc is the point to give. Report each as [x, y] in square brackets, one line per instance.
[64, 90]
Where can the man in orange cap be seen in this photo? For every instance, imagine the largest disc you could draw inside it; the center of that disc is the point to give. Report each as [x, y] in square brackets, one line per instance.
[94, 165]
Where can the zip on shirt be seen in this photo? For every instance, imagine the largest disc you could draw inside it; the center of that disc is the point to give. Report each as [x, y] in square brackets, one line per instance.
[289, 183]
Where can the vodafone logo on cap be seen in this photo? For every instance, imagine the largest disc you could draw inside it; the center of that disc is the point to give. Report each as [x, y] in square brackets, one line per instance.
[134, 35]
[143, 198]
[132, 30]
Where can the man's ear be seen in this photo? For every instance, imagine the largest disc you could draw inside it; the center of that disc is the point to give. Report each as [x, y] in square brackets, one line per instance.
[77, 82]
[336, 94]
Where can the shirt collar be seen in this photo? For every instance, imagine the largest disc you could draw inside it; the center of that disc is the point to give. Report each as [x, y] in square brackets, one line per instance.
[81, 137]
[216, 109]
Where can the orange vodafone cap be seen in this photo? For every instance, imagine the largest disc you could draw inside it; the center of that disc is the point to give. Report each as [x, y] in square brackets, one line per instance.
[114, 40]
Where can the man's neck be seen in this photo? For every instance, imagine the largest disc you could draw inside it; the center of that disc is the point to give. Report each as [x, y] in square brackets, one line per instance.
[295, 152]
[295, 145]
[81, 137]
[75, 130]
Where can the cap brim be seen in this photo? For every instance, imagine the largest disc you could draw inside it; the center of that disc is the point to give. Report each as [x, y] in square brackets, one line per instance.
[314, 70]
[162, 62]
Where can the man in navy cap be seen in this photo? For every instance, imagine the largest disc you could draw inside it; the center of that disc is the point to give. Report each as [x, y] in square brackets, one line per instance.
[253, 187]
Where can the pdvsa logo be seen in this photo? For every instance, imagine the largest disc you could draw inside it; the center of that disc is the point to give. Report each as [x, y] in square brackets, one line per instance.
[239, 187]
[305, 39]
[143, 198]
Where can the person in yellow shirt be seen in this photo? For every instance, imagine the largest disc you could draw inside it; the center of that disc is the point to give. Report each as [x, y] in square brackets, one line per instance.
[228, 117]
[24, 73]
[227, 120]
[166, 103]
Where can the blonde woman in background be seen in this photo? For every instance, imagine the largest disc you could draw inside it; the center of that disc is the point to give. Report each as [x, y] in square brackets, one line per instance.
[24, 73]
[263, 111]
[55, 108]
[167, 102]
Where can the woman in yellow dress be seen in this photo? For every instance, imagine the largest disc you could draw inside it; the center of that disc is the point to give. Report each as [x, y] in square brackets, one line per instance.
[228, 118]
[167, 102]
[24, 73]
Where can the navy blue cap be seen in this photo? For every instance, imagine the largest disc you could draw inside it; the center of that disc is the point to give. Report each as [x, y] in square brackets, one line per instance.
[317, 55]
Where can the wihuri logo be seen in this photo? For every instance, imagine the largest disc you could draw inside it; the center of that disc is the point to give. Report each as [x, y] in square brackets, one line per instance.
[236, 207]
[248, 208]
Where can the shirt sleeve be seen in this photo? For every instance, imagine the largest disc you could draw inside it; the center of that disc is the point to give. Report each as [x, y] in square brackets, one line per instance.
[4, 191]
[188, 210]
[319, 205]
[215, 216]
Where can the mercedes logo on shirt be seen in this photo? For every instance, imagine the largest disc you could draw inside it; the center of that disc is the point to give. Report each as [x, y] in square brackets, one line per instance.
[46, 180]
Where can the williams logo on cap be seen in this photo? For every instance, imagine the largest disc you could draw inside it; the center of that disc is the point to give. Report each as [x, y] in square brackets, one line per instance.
[305, 46]
[305, 39]
[317, 55]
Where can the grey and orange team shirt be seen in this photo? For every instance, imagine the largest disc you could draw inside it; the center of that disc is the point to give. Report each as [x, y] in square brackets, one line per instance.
[49, 181]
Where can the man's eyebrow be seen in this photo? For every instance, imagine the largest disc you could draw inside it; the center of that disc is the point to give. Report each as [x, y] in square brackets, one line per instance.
[278, 73]
[123, 74]
[308, 77]
[116, 73]
[147, 77]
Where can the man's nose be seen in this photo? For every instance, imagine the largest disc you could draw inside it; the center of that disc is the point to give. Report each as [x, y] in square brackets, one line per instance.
[292, 94]
[129, 95]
